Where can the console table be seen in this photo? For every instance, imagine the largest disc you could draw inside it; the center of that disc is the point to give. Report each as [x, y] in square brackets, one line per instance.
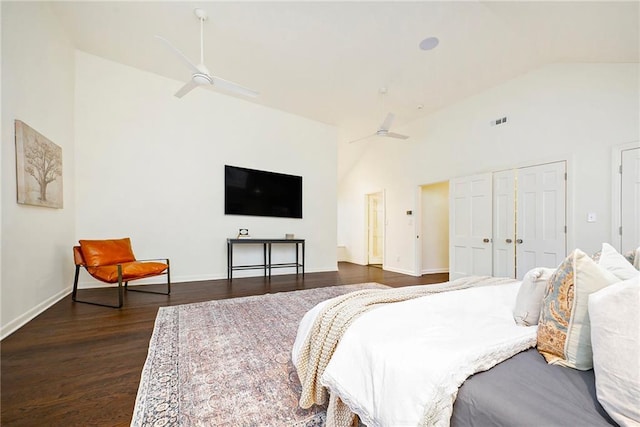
[266, 255]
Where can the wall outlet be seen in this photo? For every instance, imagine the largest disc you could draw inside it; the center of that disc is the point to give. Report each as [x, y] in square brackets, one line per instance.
[591, 217]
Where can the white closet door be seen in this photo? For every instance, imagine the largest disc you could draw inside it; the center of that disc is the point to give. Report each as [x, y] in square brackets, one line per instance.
[470, 226]
[504, 224]
[630, 200]
[541, 217]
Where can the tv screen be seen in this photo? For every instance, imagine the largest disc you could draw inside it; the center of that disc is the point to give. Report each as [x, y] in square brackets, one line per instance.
[261, 193]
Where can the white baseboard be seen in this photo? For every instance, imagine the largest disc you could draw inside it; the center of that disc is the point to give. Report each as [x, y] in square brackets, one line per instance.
[157, 280]
[356, 261]
[400, 270]
[23, 319]
[435, 270]
[91, 284]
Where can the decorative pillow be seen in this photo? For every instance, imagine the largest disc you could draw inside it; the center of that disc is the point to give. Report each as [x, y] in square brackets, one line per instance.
[529, 299]
[615, 328]
[611, 260]
[106, 252]
[636, 259]
[564, 334]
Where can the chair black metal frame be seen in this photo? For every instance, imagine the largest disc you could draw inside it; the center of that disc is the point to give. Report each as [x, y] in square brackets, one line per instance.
[122, 285]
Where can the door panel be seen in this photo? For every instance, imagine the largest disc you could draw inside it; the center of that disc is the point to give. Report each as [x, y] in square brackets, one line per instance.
[504, 224]
[540, 217]
[630, 200]
[471, 226]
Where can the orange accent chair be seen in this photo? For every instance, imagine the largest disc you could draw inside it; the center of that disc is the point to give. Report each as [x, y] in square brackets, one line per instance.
[112, 261]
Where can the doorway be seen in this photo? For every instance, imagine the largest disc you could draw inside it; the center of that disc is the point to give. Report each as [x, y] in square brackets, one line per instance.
[375, 229]
[434, 228]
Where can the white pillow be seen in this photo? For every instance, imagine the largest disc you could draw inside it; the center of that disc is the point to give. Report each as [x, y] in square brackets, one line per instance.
[615, 340]
[613, 261]
[530, 295]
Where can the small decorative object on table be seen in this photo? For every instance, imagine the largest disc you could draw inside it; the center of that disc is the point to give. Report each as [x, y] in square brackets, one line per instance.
[289, 236]
[243, 233]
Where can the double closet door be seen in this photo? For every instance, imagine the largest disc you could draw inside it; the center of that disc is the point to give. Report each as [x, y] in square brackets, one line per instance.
[505, 223]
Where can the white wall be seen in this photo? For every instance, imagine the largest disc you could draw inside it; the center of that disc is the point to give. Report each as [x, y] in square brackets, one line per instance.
[573, 112]
[37, 88]
[151, 166]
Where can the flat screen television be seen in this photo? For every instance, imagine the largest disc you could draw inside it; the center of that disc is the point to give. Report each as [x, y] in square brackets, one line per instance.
[261, 193]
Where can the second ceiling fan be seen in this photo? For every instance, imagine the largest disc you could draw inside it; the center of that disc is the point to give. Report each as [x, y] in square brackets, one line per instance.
[200, 74]
[383, 130]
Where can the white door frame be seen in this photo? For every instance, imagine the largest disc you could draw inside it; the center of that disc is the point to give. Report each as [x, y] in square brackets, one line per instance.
[616, 190]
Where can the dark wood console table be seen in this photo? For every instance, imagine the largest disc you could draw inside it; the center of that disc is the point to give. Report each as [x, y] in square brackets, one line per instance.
[266, 255]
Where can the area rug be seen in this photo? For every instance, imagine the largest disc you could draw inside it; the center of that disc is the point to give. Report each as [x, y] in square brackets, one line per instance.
[228, 362]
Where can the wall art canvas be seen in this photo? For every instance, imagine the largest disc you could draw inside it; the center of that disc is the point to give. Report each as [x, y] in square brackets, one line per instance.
[38, 168]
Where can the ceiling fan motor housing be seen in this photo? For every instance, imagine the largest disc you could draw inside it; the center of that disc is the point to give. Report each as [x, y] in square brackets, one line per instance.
[202, 79]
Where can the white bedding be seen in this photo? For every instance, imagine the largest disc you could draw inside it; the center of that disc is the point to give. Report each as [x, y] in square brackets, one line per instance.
[401, 364]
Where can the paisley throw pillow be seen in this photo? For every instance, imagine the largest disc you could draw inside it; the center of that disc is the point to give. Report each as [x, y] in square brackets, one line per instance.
[564, 333]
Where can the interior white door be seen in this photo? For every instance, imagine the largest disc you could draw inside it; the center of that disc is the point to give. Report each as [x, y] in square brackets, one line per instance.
[376, 226]
[630, 200]
[470, 226]
[504, 223]
[540, 216]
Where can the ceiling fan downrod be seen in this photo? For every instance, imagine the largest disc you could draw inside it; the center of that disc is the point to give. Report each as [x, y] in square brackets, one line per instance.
[202, 16]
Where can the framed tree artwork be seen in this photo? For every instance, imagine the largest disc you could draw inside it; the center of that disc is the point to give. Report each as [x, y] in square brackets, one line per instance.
[38, 168]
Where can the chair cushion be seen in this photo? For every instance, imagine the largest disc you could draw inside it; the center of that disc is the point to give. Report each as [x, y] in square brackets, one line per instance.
[130, 271]
[106, 252]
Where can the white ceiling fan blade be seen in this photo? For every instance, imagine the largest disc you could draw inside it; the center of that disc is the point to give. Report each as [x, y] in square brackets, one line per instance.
[180, 55]
[395, 135]
[387, 122]
[233, 87]
[188, 87]
[362, 139]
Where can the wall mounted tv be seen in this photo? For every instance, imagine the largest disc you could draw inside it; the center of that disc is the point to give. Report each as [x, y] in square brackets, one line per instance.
[261, 193]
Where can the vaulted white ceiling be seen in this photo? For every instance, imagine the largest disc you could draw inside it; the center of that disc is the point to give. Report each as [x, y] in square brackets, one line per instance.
[328, 60]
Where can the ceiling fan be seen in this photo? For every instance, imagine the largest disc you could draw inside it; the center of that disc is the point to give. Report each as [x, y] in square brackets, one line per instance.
[201, 75]
[383, 130]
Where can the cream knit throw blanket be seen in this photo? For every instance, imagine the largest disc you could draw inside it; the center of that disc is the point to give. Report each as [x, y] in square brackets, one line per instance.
[333, 321]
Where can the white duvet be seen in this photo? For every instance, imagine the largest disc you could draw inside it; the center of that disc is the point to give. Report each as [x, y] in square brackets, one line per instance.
[401, 364]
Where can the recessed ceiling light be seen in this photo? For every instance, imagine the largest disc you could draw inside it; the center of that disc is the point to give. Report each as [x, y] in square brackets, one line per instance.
[429, 43]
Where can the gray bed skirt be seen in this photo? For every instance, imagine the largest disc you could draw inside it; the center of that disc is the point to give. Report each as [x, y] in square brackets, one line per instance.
[525, 391]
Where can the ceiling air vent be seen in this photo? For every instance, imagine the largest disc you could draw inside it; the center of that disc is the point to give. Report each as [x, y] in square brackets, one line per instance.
[498, 121]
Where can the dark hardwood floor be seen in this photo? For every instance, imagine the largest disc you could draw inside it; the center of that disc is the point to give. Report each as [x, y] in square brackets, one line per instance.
[79, 364]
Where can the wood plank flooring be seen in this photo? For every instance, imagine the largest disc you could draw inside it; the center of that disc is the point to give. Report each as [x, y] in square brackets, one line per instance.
[79, 364]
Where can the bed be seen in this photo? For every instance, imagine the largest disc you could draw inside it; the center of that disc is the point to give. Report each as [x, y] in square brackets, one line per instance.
[466, 353]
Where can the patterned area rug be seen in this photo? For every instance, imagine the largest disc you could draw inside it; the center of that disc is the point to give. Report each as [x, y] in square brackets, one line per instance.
[228, 362]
